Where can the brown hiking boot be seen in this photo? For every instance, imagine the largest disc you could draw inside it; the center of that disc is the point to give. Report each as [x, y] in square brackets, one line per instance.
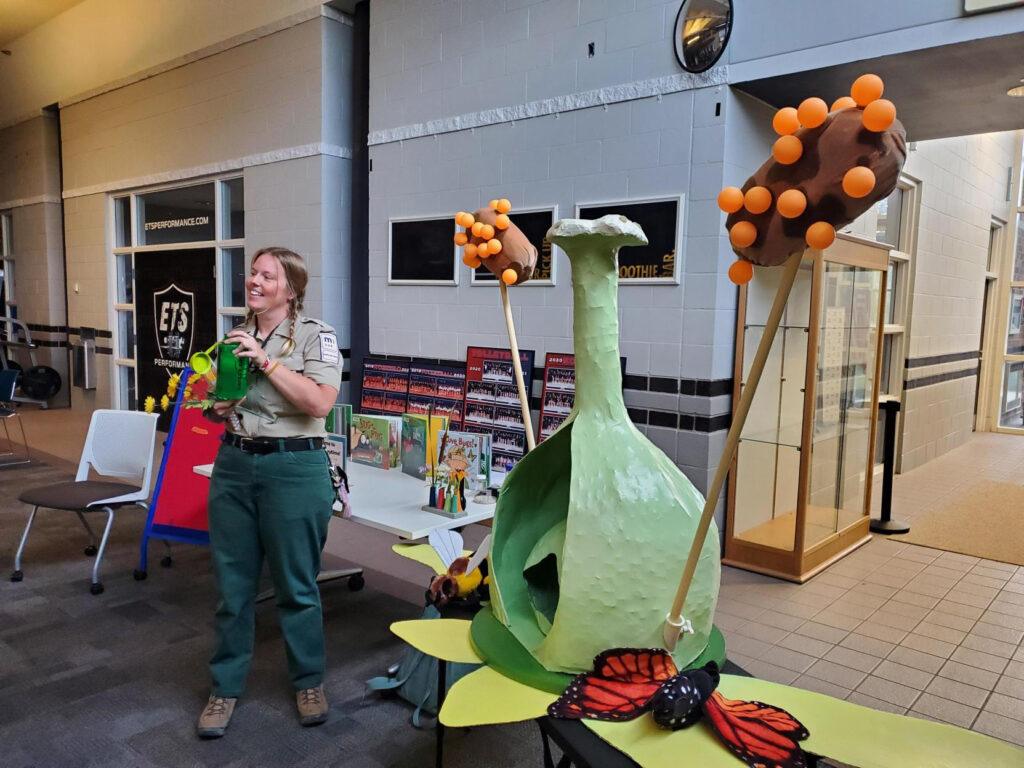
[215, 717]
[312, 704]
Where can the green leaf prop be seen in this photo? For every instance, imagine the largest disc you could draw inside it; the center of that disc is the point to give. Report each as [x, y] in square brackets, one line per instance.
[593, 526]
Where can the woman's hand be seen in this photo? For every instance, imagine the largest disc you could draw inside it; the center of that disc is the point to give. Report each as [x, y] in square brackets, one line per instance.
[218, 412]
[248, 347]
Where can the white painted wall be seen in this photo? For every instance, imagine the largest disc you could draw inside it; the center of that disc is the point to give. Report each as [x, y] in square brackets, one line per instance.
[260, 97]
[98, 42]
[29, 168]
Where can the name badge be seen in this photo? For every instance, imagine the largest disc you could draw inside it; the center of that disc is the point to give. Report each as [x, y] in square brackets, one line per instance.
[329, 348]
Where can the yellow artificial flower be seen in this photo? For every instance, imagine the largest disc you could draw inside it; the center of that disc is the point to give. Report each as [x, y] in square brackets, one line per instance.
[149, 404]
[164, 402]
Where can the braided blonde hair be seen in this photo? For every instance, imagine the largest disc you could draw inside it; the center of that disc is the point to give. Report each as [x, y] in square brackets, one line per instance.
[296, 277]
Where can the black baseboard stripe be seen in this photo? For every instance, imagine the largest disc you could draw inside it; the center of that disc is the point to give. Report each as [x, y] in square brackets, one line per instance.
[939, 378]
[952, 357]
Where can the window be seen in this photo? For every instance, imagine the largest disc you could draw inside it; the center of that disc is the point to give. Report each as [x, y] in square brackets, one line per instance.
[661, 220]
[890, 218]
[534, 223]
[422, 251]
[892, 228]
[890, 222]
[177, 218]
[1011, 412]
[8, 304]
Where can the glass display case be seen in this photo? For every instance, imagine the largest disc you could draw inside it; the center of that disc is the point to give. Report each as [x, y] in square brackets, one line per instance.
[800, 486]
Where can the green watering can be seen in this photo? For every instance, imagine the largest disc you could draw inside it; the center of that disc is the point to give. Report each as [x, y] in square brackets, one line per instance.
[232, 371]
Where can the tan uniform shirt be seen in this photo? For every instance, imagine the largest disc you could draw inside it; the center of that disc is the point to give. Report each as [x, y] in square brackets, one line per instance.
[265, 412]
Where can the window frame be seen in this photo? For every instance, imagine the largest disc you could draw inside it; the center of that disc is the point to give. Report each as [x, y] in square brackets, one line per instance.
[474, 282]
[117, 308]
[7, 261]
[681, 222]
[1004, 292]
[456, 251]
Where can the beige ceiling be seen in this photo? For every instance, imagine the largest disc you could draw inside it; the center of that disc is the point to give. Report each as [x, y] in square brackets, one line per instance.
[20, 16]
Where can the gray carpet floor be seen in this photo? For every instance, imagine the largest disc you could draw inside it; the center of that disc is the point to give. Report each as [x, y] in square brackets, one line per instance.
[118, 679]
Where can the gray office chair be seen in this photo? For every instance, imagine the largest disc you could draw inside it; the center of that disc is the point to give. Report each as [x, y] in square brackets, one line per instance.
[8, 382]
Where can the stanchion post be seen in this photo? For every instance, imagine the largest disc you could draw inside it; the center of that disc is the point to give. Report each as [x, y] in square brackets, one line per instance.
[885, 524]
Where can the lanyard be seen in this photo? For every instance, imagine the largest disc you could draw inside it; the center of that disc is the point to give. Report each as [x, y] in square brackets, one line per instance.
[264, 342]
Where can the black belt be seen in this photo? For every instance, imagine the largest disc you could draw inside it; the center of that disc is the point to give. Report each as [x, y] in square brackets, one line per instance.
[263, 445]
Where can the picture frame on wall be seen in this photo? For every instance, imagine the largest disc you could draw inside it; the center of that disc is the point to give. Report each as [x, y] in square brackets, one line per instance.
[661, 219]
[534, 223]
[422, 250]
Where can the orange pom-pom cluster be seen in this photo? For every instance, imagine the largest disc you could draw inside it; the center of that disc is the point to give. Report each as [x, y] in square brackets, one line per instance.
[877, 115]
[479, 242]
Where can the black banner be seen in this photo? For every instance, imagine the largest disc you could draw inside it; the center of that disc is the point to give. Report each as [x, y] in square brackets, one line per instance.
[175, 315]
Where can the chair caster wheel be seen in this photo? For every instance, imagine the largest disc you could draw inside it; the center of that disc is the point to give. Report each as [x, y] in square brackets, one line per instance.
[17, 576]
[89, 551]
[96, 589]
[139, 575]
[166, 561]
[356, 583]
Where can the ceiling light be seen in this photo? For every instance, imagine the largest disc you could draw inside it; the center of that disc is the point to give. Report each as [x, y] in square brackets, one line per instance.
[1017, 90]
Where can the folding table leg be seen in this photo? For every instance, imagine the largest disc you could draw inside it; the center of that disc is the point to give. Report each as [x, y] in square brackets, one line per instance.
[442, 684]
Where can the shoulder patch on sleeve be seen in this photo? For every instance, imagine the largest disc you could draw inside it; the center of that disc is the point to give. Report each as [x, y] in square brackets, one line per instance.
[329, 348]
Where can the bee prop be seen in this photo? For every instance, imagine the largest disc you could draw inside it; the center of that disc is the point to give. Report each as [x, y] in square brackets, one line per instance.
[464, 576]
[492, 240]
[826, 169]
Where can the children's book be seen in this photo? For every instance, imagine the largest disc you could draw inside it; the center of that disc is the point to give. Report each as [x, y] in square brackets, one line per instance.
[394, 439]
[339, 420]
[468, 452]
[370, 440]
[337, 450]
[419, 452]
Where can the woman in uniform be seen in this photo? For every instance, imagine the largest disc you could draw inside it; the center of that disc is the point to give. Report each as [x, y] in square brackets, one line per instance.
[271, 493]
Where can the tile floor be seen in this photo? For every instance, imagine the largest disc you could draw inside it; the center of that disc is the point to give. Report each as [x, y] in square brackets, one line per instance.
[892, 626]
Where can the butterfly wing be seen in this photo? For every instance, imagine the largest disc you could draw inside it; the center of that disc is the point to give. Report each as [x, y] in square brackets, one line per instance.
[759, 734]
[619, 688]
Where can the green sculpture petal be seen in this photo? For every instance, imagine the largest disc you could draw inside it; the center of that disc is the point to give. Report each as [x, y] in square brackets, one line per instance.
[593, 526]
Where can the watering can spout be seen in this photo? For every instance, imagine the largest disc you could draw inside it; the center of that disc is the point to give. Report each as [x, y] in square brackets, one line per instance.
[202, 362]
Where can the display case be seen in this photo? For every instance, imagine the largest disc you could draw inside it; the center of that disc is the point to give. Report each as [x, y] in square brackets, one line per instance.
[800, 486]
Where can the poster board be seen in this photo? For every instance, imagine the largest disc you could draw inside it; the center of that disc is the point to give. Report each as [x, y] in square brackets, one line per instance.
[558, 391]
[437, 389]
[385, 387]
[492, 402]
[661, 219]
[178, 510]
[534, 223]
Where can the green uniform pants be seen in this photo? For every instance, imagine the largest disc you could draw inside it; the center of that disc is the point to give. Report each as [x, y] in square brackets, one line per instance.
[274, 506]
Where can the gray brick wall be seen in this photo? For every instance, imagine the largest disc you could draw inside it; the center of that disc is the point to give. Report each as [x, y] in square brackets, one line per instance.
[258, 97]
[438, 58]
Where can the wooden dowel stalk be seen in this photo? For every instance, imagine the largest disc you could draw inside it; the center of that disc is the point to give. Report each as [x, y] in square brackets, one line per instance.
[674, 620]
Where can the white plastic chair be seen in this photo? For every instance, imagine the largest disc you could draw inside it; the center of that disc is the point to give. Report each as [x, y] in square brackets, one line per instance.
[119, 445]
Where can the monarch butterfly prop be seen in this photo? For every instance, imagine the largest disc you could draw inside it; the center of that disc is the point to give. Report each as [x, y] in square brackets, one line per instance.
[626, 682]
